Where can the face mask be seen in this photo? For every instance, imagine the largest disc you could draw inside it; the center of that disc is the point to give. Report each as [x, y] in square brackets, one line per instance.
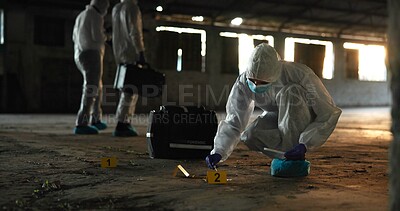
[258, 89]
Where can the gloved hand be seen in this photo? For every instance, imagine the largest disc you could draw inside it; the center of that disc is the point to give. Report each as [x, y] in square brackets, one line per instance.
[297, 153]
[141, 59]
[212, 160]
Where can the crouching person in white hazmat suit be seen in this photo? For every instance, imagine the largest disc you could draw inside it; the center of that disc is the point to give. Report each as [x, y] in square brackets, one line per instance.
[89, 38]
[299, 114]
[128, 49]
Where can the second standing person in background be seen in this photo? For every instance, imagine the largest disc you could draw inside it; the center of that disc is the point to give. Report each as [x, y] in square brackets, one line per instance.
[128, 48]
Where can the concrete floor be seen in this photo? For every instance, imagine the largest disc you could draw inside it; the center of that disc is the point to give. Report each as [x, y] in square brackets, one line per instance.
[44, 166]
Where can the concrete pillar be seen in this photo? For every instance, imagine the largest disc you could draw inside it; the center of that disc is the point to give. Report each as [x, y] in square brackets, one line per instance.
[394, 67]
[340, 61]
[279, 45]
[32, 68]
[2, 70]
[3, 90]
[213, 66]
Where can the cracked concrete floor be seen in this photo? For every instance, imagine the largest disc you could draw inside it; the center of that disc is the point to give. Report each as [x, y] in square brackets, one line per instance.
[44, 166]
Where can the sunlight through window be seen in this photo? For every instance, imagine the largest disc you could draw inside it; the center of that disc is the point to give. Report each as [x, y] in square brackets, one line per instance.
[246, 46]
[179, 63]
[1, 26]
[371, 66]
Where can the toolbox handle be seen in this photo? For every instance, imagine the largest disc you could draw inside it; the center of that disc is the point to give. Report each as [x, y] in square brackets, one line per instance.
[182, 108]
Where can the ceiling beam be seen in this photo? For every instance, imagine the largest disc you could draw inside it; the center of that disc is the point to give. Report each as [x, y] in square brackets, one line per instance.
[359, 20]
[301, 12]
[331, 7]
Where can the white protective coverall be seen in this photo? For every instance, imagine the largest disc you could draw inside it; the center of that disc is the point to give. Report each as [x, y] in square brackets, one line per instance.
[297, 107]
[88, 36]
[127, 43]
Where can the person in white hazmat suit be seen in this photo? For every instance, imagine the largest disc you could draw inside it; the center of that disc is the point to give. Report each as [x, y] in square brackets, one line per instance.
[89, 39]
[128, 49]
[299, 114]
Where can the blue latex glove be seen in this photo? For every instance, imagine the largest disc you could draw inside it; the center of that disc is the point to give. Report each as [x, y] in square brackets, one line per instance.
[141, 59]
[212, 160]
[297, 153]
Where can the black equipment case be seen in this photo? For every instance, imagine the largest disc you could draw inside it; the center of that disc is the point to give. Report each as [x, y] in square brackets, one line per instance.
[140, 79]
[181, 132]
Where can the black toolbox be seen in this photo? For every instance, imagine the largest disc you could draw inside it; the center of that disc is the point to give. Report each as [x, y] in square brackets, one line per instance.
[181, 132]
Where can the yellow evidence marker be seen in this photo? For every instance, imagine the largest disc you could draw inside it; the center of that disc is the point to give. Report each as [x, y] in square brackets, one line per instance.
[109, 162]
[216, 177]
[183, 170]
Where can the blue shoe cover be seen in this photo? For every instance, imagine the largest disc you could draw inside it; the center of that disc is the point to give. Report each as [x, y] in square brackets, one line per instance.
[85, 130]
[100, 125]
[126, 131]
[290, 168]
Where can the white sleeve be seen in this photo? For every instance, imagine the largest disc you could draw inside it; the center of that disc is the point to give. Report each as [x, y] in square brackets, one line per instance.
[327, 114]
[238, 109]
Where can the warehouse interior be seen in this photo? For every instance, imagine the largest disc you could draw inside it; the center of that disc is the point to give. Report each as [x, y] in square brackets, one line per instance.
[37, 63]
[201, 47]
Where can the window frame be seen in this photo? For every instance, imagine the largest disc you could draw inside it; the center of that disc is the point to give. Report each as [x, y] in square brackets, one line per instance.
[329, 59]
[2, 26]
[243, 40]
[185, 30]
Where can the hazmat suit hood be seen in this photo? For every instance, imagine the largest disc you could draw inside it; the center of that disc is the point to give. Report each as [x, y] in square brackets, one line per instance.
[264, 64]
[101, 5]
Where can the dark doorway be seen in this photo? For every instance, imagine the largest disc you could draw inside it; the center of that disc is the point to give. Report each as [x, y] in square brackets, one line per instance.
[311, 55]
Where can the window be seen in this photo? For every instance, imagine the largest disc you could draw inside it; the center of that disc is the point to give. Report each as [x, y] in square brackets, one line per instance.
[370, 61]
[310, 55]
[351, 63]
[258, 39]
[316, 54]
[49, 31]
[167, 50]
[191, 51]
[1, 26]
[230, 55]
[181, 49]
[246, 46]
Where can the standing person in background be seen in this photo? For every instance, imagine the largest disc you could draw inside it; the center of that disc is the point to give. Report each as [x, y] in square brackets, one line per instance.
[89, 39]
[128, 49]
